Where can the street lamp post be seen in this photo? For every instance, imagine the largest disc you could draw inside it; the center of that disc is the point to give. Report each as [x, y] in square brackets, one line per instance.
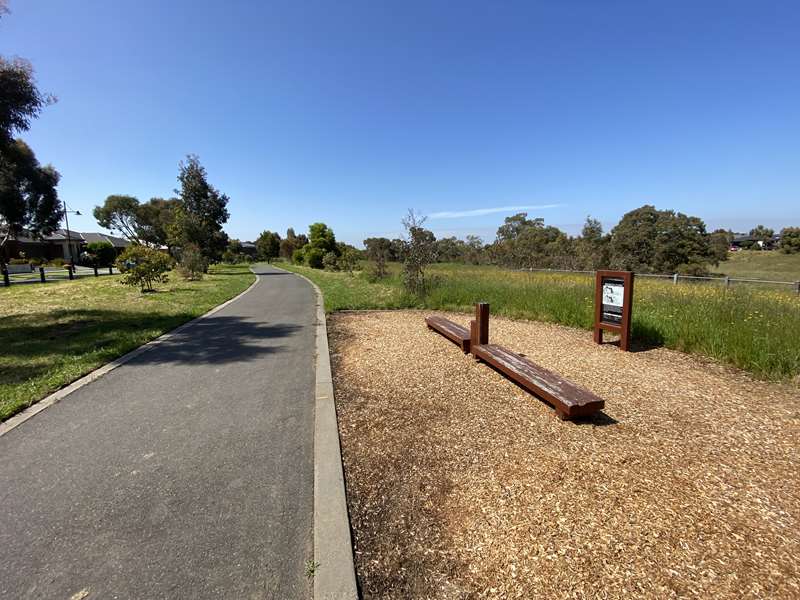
[69, 240]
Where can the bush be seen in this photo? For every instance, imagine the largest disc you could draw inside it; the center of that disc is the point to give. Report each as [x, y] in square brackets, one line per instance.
[233, 257]
[37, 262]
[229, 257]
[298, 256]
[314, 257]
[790, 240]
[694, 269]
[420, 251]
[57, 262]
[330, 262]
[193, 264]
[101, 254]
[348, 260]
[144, 266]
[19, 261]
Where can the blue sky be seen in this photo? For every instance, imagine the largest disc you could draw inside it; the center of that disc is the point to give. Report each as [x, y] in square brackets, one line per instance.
[352, 112]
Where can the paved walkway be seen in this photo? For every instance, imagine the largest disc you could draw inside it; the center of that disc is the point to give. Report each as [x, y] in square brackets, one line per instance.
[185, 473]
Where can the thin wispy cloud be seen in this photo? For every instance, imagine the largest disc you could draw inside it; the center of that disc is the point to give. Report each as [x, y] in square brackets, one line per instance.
[479, 212]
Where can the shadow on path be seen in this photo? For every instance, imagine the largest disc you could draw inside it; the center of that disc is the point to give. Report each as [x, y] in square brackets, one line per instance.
[219, 340]
[41, 341]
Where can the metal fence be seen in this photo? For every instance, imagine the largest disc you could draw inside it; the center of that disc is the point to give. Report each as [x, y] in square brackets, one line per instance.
[675, 278]
[50, 274]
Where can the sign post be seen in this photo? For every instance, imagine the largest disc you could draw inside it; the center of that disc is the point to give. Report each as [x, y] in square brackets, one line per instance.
[613, 299]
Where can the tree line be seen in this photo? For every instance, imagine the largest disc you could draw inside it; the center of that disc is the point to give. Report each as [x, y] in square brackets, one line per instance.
[319, 249]
[646, 240]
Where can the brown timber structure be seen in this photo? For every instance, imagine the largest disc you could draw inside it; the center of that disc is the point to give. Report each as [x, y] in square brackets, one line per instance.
[569, 400]
[452, 331]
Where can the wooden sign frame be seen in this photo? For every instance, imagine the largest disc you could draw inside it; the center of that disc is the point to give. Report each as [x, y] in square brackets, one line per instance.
[623, 328]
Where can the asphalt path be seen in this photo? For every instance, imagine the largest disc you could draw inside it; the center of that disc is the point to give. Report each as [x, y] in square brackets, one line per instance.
[184, 473]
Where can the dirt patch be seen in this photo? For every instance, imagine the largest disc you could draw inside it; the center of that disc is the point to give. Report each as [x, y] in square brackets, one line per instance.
[462, 485]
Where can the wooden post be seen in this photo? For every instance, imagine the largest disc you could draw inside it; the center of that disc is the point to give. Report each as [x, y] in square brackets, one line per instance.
[474, 336]
[41, 274]
[598, 335]
[482, 320]
[797, 286]
[625, 334]
[95, 271]
[6, 280]
[71, 274]
[110, 271]
[727, 281]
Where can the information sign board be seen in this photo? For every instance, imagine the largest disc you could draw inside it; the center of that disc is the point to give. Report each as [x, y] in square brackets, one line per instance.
[613, 296]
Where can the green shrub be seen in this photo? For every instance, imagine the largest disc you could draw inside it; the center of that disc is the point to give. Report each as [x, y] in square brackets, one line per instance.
[19, 261]
[695, 269]
[229, 257]
[193, 264]
[790, 240]
[298, 256]
[144, 266]
[330, 262]
[58, 262]
[348, 260]
[101, 254]
[314, 257]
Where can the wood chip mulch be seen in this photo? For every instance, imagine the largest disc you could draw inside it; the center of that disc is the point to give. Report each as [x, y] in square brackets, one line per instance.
[462, 485]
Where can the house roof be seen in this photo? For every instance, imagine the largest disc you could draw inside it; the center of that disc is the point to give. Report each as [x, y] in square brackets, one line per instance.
[117, 242]
[94, 237]
[60, 235]
[27, 239]
[750, 238]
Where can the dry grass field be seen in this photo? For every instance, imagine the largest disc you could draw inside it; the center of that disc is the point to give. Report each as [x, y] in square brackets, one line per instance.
[462, 485]
[751, 328]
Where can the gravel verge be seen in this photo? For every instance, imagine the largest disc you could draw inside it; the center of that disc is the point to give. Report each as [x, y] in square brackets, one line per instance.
[462, 485]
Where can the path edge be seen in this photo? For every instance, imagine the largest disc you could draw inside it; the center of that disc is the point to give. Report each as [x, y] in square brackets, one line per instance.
[57, 396]
[334, 568]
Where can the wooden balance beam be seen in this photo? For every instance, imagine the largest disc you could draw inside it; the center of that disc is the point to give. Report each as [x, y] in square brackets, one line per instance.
[569, 400]
[452, 331]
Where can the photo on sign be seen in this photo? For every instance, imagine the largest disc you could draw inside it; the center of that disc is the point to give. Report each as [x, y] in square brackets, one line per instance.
[613, 293]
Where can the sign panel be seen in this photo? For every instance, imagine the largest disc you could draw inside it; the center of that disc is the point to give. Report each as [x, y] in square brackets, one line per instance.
[612, 301]
[613, 294]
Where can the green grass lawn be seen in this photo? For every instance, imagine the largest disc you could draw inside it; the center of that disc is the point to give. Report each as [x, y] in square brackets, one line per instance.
[342, 291]
[54, 333]
[773, 265]
[753, 329]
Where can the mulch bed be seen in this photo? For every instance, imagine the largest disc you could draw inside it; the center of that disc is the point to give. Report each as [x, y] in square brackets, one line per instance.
[462, 485]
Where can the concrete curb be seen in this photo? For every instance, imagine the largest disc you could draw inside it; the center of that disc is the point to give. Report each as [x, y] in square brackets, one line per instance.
[56, 397]
[335, 577]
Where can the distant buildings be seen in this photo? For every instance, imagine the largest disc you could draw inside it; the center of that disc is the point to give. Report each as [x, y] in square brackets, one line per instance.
[249, 248]
[742, 242]
[58, 245]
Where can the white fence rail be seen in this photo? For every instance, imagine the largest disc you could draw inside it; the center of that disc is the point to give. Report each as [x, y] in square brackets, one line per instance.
[677, 278]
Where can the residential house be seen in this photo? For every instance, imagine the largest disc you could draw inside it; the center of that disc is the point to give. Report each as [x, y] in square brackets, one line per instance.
[742, 242]
[67, 245]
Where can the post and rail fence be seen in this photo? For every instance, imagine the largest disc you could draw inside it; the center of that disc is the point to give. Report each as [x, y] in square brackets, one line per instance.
[677, 278]
[45, 274]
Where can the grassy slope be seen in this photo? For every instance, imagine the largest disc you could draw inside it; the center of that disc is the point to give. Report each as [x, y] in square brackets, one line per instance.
[773, 265]
[756, 330]
[342, 291]
[53, 334]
